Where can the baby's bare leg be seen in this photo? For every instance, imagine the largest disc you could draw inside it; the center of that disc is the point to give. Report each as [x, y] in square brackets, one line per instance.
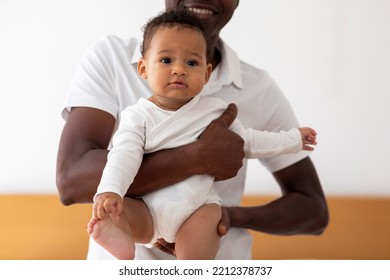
[198, 238]
[139, 219]
[118, 236]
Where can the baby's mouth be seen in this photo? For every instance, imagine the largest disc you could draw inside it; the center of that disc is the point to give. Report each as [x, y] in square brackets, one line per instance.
[178, 84]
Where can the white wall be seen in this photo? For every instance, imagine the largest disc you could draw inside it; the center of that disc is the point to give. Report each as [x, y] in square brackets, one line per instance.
[330, 58]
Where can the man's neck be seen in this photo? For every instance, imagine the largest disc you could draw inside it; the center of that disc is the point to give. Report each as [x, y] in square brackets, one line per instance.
[214, 55]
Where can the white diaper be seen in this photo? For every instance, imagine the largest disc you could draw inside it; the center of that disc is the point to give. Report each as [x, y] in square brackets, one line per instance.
[172, 205]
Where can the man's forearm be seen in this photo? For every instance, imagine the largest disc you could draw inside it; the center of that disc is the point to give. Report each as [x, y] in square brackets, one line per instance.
[158, 170]
[289, 215]
[78, 179]
[301, 210]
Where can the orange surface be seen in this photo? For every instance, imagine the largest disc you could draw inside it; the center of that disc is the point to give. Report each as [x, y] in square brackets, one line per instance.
[40, 227]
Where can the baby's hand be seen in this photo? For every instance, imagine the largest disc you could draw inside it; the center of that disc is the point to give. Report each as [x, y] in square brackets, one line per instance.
[309, 136]
[107, 203]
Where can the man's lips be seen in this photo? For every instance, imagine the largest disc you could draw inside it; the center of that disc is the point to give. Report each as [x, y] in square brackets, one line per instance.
[201, 10]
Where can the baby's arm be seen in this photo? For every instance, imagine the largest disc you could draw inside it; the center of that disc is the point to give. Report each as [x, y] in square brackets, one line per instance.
[106, 204]
[122, 164]
[263, 144]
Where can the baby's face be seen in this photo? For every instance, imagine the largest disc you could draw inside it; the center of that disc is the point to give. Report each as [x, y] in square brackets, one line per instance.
[175, 65]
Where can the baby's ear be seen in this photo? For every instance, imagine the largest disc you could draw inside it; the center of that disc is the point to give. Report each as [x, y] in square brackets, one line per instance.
[142, 69]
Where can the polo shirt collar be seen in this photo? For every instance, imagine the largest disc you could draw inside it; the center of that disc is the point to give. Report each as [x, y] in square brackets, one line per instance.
[230, 66]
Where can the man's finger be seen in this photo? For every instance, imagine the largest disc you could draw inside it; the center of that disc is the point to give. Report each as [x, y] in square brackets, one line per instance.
[166, 247]
[224, 223]
[222, 229]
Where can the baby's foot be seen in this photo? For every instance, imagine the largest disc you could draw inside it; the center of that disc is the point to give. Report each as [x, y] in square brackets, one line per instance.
[114, 236]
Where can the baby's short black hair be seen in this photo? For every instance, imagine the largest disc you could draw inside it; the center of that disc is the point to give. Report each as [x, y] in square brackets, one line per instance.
[175, 18]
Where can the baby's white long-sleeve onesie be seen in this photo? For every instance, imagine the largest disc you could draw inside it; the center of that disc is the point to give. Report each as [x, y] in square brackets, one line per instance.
[146, 128]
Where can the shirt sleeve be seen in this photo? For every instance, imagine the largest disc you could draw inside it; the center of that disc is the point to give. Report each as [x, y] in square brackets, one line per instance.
[93, 84]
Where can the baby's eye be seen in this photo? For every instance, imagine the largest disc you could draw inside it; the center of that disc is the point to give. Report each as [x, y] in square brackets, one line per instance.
[192, 63]
[166, 60]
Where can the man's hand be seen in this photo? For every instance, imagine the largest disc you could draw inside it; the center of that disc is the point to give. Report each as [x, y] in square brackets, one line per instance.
[222, 150]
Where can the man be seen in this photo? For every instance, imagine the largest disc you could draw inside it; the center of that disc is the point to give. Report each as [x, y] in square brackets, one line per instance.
[106, 82]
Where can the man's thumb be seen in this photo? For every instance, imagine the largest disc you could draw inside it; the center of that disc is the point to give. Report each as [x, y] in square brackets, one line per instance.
[229, 115]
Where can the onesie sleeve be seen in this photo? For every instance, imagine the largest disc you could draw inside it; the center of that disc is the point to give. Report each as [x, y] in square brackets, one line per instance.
[263, 144]
[125, 157]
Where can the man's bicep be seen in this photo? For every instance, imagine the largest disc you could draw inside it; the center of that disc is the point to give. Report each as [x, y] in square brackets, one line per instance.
[88, 126]
[86, 129]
